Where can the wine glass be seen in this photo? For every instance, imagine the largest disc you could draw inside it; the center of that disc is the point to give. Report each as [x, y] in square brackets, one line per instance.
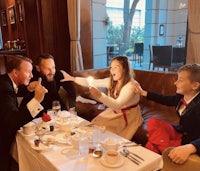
[56, 107]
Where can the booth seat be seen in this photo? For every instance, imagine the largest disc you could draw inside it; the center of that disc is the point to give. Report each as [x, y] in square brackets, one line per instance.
[160, 82]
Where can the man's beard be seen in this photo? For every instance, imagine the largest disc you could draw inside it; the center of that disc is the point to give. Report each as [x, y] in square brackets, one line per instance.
[50, 78]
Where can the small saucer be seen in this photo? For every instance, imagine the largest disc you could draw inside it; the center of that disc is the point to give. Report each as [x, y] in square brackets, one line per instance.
[48, 138]
[70, 153]
[27, 135]
[62, 138]
[41, 147]
[115, 165]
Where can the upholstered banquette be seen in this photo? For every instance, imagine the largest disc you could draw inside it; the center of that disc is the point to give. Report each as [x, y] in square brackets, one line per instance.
[160, 82]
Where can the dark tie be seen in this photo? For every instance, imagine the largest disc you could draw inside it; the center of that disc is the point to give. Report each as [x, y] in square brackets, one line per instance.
[184, 102]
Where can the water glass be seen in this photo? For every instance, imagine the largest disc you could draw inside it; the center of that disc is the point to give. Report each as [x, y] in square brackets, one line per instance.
[73, 119]
[96, 136]
[56, 106]
[51, 113]
[83, 144]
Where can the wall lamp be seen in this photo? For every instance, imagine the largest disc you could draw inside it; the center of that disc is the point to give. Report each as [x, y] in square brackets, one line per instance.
[161, 29]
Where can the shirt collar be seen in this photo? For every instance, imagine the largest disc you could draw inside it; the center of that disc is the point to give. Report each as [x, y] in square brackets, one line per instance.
[188, 101]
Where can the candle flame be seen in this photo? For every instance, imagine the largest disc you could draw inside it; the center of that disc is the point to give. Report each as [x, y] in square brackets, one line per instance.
[90, 80]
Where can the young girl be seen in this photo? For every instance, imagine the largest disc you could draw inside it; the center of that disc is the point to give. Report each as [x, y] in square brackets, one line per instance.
[123, 115]
[186, 136]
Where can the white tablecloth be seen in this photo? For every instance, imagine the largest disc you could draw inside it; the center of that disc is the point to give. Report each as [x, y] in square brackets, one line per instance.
[54, 159]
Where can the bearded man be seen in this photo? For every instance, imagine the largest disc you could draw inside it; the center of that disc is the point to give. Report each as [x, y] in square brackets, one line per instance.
[46, 69]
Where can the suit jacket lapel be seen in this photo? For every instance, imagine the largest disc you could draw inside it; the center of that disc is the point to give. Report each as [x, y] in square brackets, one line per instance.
[192, 104]
[13, 91]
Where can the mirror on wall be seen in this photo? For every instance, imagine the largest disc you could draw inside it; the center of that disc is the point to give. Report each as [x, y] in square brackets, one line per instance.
[1, 41]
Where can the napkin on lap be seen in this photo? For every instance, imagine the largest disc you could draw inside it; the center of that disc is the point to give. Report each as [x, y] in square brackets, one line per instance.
[84, 100]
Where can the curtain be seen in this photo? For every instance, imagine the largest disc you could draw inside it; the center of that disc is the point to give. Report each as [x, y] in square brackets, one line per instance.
[193, 46]
[74, 29]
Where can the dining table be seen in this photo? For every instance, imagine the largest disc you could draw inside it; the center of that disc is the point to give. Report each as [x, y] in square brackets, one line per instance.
[62, 156]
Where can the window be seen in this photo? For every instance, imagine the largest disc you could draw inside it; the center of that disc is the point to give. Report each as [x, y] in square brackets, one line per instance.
[116, 43]
[148, 17]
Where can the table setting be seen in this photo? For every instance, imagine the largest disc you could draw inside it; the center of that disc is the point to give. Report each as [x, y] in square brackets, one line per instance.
[66, 141]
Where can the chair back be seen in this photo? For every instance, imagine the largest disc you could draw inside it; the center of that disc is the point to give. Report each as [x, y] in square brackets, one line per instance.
[162, 56]
[179, 55]
[151, 55]
[151, 51]
[138, 49]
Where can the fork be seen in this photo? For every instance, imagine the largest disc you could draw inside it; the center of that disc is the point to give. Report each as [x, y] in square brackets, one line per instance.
[123, 153]
[131, 153]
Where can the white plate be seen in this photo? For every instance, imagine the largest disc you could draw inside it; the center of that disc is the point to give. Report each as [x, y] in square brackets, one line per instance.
[117, 164]
[61, 138]
[41, 147]
[70, 153]
[48, 139]
[27, 135]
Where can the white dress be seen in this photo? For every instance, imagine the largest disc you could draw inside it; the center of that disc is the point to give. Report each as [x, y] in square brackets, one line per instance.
[113, 117]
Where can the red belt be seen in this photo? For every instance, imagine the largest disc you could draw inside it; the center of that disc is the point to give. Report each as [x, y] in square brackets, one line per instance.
[124, 112]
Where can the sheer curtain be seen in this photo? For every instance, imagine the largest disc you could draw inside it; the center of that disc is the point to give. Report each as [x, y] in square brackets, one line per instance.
[74, 29]
[193, 46]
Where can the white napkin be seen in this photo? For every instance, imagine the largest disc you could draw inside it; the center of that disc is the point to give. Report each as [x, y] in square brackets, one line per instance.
[84, 100]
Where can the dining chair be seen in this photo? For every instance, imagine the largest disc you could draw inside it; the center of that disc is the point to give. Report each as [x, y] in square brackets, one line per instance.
[111, 52]
[162, 56]
[151, 55]
[179, 55]
[138, 53]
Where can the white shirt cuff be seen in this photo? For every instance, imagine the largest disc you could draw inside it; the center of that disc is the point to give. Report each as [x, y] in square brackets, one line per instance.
[34, 107]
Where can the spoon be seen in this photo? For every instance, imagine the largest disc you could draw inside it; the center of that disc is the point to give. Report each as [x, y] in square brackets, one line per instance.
[97, 152]
[123, 153]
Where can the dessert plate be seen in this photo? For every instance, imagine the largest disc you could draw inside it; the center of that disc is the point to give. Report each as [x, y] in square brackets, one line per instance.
[62, 138]
[27, 135]
[119, 163]
[41, 147]
[70, 153]
[48, 139]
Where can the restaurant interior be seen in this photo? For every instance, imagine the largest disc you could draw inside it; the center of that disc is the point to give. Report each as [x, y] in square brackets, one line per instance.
[73, 31]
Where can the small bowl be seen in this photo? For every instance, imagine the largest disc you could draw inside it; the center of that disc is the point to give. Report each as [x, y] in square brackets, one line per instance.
[110, 144]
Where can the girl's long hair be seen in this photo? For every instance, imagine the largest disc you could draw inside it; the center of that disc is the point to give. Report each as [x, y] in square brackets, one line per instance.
[128, 75]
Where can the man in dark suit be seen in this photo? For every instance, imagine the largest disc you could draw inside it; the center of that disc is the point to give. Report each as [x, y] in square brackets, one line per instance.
[185, 137]
[19, 72]
[46, 69]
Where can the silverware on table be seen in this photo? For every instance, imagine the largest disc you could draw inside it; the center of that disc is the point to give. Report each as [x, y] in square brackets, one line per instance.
[132, 153]
[130, 157]
[130, 145]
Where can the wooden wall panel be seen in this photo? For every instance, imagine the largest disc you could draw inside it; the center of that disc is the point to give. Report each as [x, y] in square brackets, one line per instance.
[32, 31]
[45, 30]
[57, 40]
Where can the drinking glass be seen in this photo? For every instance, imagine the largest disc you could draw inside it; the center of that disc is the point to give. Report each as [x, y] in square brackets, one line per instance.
[51, 113]
[56, 107]
[83, 144]
[73, 119]
[96, 136]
